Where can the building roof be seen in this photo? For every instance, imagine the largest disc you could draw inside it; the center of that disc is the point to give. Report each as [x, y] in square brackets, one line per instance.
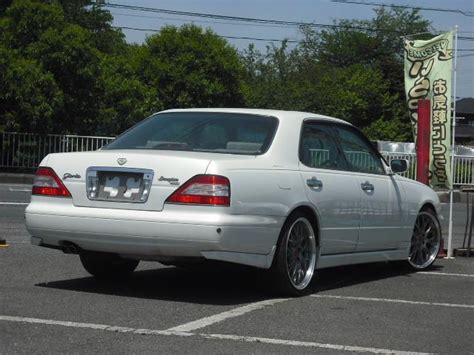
[465, 106]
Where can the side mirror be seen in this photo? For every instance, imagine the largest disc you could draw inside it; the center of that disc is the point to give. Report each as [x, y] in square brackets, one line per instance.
[399, 166]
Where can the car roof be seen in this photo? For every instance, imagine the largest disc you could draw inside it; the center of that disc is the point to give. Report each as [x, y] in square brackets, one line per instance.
[280, 114]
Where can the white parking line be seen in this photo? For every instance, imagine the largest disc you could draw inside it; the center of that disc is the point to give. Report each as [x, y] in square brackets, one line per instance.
[236, 312]
[250, 339]
[308, 344]
[106, 327]
[14, 203]
[390, 300]
[444, 274]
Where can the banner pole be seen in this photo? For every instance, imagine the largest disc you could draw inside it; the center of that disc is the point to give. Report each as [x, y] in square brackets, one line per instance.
[451, 192]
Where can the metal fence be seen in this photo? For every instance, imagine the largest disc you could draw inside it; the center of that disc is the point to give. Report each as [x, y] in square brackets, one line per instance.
[24, 150]
[463, 167]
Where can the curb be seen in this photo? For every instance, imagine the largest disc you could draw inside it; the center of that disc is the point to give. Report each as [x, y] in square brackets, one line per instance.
[10, 178]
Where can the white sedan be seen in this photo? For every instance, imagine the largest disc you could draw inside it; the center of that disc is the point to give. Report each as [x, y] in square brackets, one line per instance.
[291, 192]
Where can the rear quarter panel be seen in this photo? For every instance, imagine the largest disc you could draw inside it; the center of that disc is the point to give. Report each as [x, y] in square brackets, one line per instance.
[260, 187]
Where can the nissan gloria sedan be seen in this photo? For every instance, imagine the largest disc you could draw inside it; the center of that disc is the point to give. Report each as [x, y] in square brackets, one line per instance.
[290, 192]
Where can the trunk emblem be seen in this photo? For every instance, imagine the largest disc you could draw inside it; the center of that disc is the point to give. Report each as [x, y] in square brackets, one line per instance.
[121, 161]
[171, 181]
[71, 176]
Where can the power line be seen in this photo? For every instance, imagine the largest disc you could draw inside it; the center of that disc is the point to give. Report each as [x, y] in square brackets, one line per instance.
[242, 19]
[198, 21]
[229, 37]
[371, 3]
[245, 37]
[254, 20]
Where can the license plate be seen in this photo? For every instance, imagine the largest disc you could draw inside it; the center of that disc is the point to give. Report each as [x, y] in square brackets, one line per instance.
[119, 185]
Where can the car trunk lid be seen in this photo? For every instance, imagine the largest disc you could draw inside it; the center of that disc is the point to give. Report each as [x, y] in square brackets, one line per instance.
[126, 179]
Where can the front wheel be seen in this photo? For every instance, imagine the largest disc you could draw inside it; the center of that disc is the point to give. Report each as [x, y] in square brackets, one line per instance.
[295, 260]
[425, 241]
[106, 265]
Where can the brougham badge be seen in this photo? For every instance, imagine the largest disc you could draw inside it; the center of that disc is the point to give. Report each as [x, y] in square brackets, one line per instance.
[121, 161]
[71, 176]
[171, 181]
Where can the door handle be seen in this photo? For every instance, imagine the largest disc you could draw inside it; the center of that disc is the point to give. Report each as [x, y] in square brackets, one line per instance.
[314, 183]
[367, 186]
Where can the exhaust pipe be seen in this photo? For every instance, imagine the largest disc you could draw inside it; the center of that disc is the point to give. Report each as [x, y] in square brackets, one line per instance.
[70, 248]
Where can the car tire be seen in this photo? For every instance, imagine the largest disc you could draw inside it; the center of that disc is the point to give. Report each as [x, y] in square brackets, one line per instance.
[425, 240]
[106, 265]
[296, 256]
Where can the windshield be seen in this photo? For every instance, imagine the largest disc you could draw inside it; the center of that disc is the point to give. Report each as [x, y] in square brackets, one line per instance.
[230, 133]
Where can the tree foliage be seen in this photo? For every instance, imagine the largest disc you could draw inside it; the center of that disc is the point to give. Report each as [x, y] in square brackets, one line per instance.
[189, 67]
[60, 52]
[29, 96]
[127, 100]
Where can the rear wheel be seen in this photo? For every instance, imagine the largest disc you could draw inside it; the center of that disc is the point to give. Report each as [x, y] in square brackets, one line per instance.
[106, 265]
[295, 260]
[425, 241]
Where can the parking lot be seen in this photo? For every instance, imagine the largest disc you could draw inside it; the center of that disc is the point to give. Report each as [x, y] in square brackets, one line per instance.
[49, 304]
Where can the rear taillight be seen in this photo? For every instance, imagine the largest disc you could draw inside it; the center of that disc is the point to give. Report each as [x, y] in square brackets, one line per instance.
[47, 183]
[203, 190]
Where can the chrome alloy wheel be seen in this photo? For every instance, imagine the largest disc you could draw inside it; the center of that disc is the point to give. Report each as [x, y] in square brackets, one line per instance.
[300, 253]
[425, 241]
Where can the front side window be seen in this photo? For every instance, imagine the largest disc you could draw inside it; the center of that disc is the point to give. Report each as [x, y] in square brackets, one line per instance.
[318, 148]
[214, 132]
[358, 153]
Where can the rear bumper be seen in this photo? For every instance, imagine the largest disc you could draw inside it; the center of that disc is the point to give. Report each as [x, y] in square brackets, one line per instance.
[177, 231]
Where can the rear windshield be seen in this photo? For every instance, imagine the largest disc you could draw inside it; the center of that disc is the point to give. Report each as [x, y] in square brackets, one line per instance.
[229, 133]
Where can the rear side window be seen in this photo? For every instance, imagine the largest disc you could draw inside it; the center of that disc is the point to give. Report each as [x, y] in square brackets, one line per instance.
[358, 152]
[229, 133]
[318, 148]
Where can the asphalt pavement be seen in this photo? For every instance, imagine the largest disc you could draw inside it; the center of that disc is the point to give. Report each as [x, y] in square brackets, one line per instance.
[49, 304]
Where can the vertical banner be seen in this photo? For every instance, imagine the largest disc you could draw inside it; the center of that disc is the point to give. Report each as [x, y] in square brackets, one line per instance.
[428, 71]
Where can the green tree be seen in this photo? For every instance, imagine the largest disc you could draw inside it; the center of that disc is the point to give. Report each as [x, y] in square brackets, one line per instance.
[97, 21]
[357, 93]
[375, 42]
[191, 67]
[62, 45]
[4, 5]
[29, 96]
[271, 78]
[126, 99]
[285, 79]
[73, 61]
[389, 130]
[24, 21]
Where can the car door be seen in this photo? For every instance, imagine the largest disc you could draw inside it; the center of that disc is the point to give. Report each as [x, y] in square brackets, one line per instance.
[381, 206]
[335, 194]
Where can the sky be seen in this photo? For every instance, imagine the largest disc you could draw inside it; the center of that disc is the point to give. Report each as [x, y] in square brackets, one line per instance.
[316, 11]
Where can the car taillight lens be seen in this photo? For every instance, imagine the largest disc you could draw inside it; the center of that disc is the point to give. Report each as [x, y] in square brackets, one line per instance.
[203, 190]
[47, 183]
